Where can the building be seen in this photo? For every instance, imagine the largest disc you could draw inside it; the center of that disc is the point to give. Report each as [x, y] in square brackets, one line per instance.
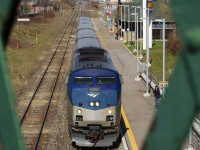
[157, 13]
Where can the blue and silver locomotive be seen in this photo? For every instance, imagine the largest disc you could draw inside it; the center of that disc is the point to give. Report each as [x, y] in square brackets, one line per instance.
[94, 90]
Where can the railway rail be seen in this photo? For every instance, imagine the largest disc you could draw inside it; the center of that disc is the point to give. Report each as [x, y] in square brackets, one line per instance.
[33, 119]
[10, 135]
[34, 116]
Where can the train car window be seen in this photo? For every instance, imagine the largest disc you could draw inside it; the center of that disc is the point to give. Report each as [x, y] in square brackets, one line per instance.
[83, 80]
[105, 80]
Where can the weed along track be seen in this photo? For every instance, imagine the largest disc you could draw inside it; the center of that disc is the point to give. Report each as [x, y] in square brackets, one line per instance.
[35, 114]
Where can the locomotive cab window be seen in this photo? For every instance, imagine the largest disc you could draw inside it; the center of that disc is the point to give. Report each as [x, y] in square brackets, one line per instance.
[83, 80]
[105, 80]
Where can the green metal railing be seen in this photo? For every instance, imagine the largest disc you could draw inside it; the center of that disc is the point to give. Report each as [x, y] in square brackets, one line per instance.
[182, 99]
[10, 136]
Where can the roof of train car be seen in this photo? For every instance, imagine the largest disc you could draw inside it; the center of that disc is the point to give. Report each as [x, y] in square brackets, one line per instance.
[85, 34]
[87, 42]
[85, 23]
[84, 18]
[88, 51]
[85, 26]
[91, 57]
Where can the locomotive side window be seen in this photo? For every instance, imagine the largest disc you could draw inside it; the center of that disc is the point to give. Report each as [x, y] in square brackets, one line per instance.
[105, 80]
[83, 80]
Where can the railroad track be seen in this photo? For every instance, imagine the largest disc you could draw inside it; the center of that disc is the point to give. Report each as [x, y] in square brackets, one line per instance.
[36, 132]
[35, 114]
[84, 9]
[122, 145]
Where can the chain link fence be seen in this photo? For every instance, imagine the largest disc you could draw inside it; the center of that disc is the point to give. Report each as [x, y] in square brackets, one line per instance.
[153, 77]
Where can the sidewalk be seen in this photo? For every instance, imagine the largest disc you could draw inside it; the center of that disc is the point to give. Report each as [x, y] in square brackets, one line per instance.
[139, 110]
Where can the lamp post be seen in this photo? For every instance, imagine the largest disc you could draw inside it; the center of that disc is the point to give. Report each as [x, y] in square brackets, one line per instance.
[124, 40]
[141, 56]
[121, 22]
[137, 32]
[163, 48]
[128, 20]
[146, 94]
[135, 28]
[124, 20]
[128, 26]
[137, 78]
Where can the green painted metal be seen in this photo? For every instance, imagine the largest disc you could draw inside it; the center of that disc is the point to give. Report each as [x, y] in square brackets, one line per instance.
[10, 136]
[182, 98]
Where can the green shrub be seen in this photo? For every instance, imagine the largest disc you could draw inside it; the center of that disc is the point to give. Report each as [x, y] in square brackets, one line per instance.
[173, 43]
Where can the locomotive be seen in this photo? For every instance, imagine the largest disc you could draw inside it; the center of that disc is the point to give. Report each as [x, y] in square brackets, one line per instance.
[94, 91]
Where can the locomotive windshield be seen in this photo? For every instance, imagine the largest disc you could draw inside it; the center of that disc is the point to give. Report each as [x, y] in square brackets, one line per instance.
[105, 80]
[83, 80]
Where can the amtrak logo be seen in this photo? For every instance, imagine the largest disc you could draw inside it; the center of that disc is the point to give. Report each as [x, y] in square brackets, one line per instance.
[93, 94]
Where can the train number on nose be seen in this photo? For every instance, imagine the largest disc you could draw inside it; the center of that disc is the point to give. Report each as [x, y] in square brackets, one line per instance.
[94, 89]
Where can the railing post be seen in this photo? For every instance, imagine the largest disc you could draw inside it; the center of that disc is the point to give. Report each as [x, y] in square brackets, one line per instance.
[10, 137]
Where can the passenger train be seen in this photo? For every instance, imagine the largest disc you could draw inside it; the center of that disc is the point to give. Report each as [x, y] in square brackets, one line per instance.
[94, 91]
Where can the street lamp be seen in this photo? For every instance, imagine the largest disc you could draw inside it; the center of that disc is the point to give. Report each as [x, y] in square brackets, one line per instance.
[138, 57]
[141, 56]
[135, 28]
[146, 94]
[163, 48]
[128, 29]
[124, 19]
[121, 22]
[128, 26]
[124, 40]
[137, 78]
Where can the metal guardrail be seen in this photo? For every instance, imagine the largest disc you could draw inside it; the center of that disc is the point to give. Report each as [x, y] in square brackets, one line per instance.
[10, 135]
[196, 134]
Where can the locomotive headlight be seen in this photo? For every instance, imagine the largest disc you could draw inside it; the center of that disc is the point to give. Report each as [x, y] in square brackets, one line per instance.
[97, 104]
[91, 104]
[110, 111]
[79, 111]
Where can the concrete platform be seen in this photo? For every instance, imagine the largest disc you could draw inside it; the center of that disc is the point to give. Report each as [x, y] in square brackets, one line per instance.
[139, 109]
